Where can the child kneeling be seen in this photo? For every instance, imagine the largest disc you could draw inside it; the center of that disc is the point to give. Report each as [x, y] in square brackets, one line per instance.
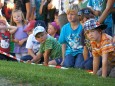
[102, 45]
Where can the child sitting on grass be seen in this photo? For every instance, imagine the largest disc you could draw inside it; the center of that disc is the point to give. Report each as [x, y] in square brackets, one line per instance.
[102, 45]
[50, 48]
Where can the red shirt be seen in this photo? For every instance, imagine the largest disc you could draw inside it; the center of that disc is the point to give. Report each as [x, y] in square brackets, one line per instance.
[5, 42]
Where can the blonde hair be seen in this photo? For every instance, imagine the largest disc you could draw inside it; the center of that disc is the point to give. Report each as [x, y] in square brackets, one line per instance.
[23, 18]
[73, 8]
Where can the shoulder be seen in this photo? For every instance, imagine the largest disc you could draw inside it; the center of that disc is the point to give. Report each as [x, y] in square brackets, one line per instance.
[66, 26]
[30, 36]
[106, 37]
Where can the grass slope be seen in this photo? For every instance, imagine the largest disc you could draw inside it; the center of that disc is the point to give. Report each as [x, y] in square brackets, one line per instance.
[35, 75]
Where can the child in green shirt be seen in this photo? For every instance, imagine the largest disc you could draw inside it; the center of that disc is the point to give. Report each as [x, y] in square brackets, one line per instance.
[50, 48]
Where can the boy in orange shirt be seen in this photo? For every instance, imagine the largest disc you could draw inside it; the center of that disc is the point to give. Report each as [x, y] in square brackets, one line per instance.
[102, 45]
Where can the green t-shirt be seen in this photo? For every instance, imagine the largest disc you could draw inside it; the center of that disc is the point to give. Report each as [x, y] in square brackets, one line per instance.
[54, 45]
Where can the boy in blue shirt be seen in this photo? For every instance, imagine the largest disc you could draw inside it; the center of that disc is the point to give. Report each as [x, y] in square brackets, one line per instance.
[72, 50]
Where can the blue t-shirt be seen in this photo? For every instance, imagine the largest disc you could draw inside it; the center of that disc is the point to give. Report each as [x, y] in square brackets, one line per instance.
[72, 39]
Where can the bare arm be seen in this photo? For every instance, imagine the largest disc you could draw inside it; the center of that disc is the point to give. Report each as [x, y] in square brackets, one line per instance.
[32, 17]
[95, 12]
[37, 59]
[85, 53]
[63, 52]
[1, 3]
[27, 10]
[107, 10]
[30, 52]
[46, 56]
[41, 6]
[104, 65]
[12, 29]
[21, 42]
[96, 61]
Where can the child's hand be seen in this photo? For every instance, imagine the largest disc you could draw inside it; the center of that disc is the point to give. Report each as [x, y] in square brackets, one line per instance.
[21, 42]
[16, 40]
[3, 27]
[45, 64]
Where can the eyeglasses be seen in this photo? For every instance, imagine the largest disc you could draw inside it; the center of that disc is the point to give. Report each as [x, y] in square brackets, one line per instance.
[85, 11]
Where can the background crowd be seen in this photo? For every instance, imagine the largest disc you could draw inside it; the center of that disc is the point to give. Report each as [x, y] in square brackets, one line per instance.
[70, 33]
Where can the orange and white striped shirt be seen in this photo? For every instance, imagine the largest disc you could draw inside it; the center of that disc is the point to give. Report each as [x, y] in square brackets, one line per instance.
[105, 46]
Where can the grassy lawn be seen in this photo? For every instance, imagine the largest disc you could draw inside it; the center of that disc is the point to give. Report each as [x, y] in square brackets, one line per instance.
[22, 74]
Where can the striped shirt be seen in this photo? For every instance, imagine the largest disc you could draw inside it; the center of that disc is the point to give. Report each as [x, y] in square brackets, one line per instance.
[104, 47]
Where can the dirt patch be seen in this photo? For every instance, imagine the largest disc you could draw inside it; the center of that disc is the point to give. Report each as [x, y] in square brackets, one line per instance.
[5, 82]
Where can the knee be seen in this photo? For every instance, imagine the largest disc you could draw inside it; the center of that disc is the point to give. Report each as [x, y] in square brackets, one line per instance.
[68, 64]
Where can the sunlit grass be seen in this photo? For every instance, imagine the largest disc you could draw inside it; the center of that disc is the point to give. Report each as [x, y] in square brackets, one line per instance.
[36, 75]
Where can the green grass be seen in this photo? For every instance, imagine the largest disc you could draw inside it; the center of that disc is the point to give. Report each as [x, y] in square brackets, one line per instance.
[36, 75]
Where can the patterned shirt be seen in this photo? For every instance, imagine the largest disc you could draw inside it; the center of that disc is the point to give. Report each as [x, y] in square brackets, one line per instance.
[53, 44]
[72, 39]
[104, 47]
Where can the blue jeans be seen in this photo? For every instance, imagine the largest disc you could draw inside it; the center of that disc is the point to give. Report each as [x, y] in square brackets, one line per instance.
[88, 64]
[73, 61]
[27, 57]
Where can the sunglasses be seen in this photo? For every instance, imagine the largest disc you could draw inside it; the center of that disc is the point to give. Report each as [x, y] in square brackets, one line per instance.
[86, 11]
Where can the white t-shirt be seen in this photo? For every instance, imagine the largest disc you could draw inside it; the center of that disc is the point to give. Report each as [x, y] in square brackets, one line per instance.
[32, 43]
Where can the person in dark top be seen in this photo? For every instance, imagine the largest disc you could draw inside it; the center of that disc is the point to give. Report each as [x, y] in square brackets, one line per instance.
[24, 6]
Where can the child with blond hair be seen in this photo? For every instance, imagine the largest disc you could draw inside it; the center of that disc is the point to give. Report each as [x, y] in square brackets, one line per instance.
[5, 38]
[72, 50]
[20, 37]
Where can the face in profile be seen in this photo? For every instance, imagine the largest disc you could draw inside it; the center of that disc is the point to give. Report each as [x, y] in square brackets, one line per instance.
[51, 30]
